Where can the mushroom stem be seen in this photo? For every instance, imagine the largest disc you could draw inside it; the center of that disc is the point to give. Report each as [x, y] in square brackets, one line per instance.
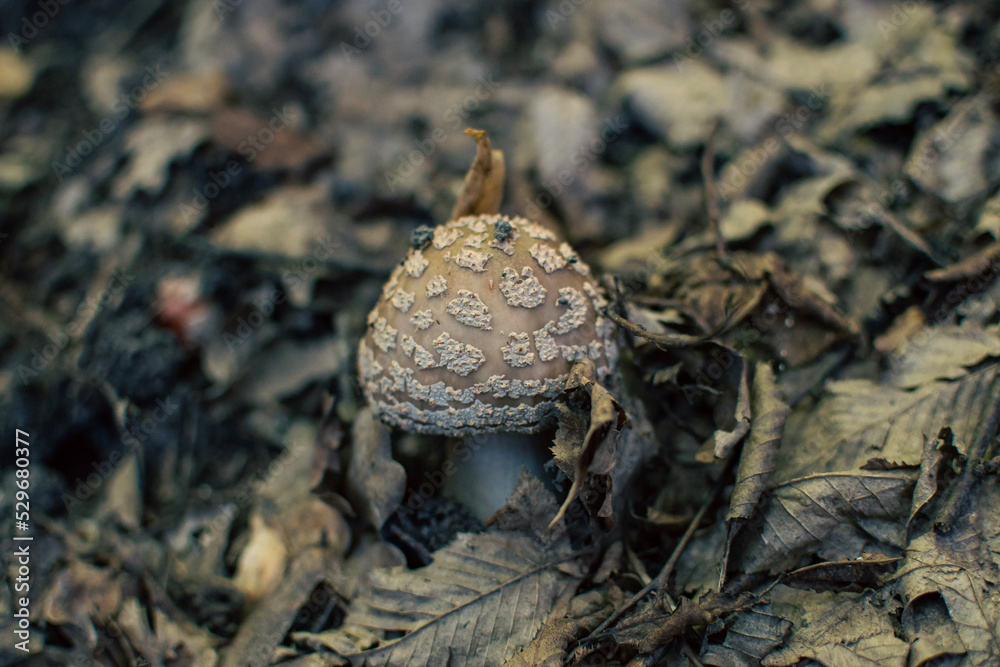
[487, 467]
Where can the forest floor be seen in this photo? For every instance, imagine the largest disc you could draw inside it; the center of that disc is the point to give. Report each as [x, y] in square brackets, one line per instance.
[793, 207]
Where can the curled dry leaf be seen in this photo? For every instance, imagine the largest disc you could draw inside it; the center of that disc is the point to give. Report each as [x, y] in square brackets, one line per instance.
[590, 462]
[736, 419]
[852, 575]
[757, 460]
[529, 509]
[482, 190]
[375, 482]
[938, 452]
[903, 328]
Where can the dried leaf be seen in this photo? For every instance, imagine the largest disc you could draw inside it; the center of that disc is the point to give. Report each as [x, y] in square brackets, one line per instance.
[949, 158]
[757, 460]
[122, 499]
[300, 223]
[264, 629]
[154, 144]
[843, 630]
[942, 353]
[858, 420]
[17, 74]
[375, 481]
[483, 598]
[656, 625]
[955, 567]
[749, 636]
[529, 509]
[82, 592]
[311, 523]
[287, 149]
[482, 190]
[937, 453]
[592, 461]
[903, 328]
[189, 92]
[758, 457]
[834, 515]
[846, 575]
[548, 649]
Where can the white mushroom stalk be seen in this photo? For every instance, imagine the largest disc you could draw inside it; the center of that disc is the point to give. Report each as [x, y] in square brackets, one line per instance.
[477, 329]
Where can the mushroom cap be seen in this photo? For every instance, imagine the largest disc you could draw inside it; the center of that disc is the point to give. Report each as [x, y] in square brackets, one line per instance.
[477, 329]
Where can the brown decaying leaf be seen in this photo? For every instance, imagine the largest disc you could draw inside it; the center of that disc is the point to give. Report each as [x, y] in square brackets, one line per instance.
[81, 593]
[197, 92]
[804, 295]
[720, 296]
[757, 460]
[936, 639]
[482, 190]
[938, 452]
[956, 567]
[375, 482]
[483, 598]
[548, 649]
[903, 328]
[842, 630]
[750, 635]
[835, 515]
[264, 629]
[596, 457]
[958, 174]
[529, 509]
[851, 575]
[288, 149]
[942, 353]
[858, 420]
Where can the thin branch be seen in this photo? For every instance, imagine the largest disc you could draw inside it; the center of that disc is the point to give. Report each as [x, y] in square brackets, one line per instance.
[661, 579]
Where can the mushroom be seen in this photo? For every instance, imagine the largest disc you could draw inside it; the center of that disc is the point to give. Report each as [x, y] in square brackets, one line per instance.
[475, 333]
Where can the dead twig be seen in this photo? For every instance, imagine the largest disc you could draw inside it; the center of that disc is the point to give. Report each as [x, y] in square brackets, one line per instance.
[661, 579]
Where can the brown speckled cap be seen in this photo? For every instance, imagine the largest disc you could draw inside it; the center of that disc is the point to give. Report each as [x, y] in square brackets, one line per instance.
[477, 328]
